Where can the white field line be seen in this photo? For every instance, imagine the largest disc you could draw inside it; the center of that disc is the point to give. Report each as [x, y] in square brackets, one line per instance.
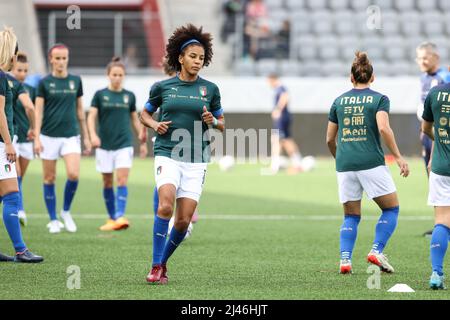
[237, 217]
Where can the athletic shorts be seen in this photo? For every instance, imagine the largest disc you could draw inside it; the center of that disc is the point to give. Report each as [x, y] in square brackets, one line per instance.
[25, 150]
[283, 125]
[376, 182]
[439, 190]
[109, 160]
[188, 178]
[7, 169]
[55, 147]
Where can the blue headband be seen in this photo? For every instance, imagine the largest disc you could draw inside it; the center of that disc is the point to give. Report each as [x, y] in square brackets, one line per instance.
[188, 43]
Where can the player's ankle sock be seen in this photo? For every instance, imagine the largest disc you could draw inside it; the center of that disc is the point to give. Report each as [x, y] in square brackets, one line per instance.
[155, 201]
[172, 244]
[19, 180]
[160, 228]
[110, 202]
[349, 232]
[69, 193]
[438, 247]
[50, 200]
[385, 227]
[11, 220]
[296, 159]
[122, 194]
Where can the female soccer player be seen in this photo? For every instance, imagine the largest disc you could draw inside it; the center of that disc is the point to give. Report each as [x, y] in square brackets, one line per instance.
[188, 105]
[436, 116]
[9, 188]
[58, 107]
[24, 121]
[116, 110]
[358, 118]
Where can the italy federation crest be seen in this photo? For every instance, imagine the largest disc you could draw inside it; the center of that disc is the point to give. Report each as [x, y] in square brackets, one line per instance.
[72, 85]
[126, 98]
[159, 170]
[7, 168]
[203, 91]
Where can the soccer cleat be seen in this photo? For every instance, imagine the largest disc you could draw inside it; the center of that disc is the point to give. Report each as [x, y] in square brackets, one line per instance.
[108, 226]
[380, 260]
[27, 257]
[68, 221]
[22, 218]
[5, 258]
[157, 275]
[436, 281]
[345, 266]
[55, 226]
[121, 224]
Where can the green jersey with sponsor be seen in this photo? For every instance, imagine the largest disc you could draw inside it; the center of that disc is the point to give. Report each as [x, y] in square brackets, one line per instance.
[437, 110]
[21, 123]
[182, 103]
[60, 107]
[358, 144]
[114, 109]
[6, 86]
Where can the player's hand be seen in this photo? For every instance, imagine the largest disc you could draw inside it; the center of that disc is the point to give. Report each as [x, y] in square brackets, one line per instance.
[403, 165]
[143, 150]
[276, 114]
[96, 142]
[87, 146]
[37, 148]
[30, 135]
[10, 152]
[162, 127]
[207, 116]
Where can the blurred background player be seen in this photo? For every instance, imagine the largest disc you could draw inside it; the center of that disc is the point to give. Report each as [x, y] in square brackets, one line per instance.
[9, 187]
[59, 117]
[24, 124]
[435, 116]
[181, 175]
[282, 120]
[428, 60]
[115, 108]
[357, 119]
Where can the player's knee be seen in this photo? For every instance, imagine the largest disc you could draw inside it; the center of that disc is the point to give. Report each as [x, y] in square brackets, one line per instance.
[49, 178]
[165, 210]
[182, 223]
[72, 176]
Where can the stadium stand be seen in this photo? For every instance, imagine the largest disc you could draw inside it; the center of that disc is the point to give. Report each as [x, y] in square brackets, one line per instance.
[325, 33]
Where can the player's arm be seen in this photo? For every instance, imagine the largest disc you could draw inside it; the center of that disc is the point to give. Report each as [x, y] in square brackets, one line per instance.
[283, 101]
[9, 149]
[141, 133]
[147, 120]
[28, 105]
[427, 128]
[332, 131]
[91, 120]
[217, 123]
[387, 134]
[82, 121]
[39, 111]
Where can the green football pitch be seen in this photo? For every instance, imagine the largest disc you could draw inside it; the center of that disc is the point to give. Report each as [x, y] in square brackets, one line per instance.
[258, 237]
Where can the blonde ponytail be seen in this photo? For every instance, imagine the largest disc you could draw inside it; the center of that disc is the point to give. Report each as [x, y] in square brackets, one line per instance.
[8, 44]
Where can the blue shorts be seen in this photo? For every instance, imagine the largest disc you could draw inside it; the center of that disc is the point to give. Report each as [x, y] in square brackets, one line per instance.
[284, 126]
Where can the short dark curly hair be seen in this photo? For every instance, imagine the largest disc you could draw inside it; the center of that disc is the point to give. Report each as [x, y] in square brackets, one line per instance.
[180, 36]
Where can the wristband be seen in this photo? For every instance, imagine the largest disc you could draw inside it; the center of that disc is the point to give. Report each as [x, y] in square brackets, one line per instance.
[215, 123]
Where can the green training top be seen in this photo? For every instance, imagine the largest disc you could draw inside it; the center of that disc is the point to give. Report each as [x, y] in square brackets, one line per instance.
[114, 109]
[358, 144]
[20, 116]
[182, 103]
[60, 107]
[6, 86]
[437, 110]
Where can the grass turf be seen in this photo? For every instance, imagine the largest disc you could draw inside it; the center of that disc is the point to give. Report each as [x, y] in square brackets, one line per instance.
[258, 237]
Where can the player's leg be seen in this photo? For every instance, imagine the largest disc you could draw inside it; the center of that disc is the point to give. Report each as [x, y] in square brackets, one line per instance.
[427, 144]
[275, 152]
[155, 200]
[72, 162]
[21, 213]
[293, 152]
[123, 161]
[49, 171]
[110, 201]
[439, 245]
[380, 187]
[23, 164]
[350, 195]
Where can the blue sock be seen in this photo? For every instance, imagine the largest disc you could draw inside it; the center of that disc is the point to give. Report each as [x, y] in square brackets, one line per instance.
[155, 201]
[11, 220]
[50, 200]
[349, 231]
[160, 228]
[69, 193]
[110, 202]
[172, 244]
[122, 194]
[19, 180]
[438, 247]
[385, 228]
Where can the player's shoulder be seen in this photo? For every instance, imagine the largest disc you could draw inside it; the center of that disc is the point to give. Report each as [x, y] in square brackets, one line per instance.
[102, 91]
[439, 88]
[76, 77]
[11, 77]
[46, 78]
[203, 81]
[28, 87]
[128, 92]
[378, 94]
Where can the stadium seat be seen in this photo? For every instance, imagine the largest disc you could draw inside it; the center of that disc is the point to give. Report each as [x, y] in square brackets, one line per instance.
[322, 22]
[347, 48]
[373, 46]
[290, 68]
[338, 4]
[360, 5]
[382, 68]
[427, 5]
[410, 23]
[273, 4]
[335, 68]
[404, 5]
[295, 4]
[264, 67]
[301, 23]
[244, 67]
[401, 68]
[394, 48]
[344, 22]
[447, 21]
[307, 47]
[390, 24]
[328, 48]
[444, 5]
[384, 4]
[316, 4]
[433, 23]
[311, 68]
